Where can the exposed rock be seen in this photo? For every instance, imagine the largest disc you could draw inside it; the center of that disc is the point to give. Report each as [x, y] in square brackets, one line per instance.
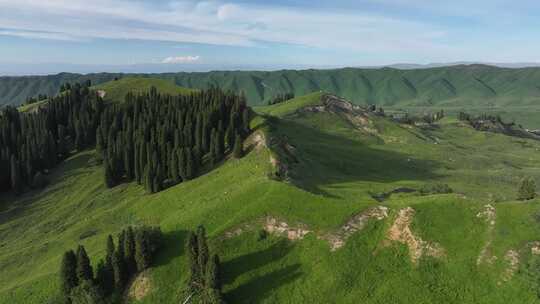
[512, 259]
[535, 247]
[401, 232]
[489, 215]
[274, 226]
[353, 225]
[356, 115]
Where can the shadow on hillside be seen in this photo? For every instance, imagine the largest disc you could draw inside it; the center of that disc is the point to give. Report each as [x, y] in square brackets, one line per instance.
[174, 246]
[251, 261]
[65, 171]
[258, 288]
[326, 160]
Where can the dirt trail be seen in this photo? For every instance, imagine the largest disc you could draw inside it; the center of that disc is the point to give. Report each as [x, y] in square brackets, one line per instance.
[401, 232]
[489, 216]
[355, 224]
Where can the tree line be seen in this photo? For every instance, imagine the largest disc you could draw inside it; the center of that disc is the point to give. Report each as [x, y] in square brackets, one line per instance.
[133, 253]
[155, 139]
[33, 143]
[160, 140]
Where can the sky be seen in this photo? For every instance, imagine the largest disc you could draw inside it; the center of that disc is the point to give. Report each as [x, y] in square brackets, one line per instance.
[55, 35]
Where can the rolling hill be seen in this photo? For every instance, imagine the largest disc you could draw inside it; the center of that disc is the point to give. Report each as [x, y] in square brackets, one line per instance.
[326, 181]
[512, 93]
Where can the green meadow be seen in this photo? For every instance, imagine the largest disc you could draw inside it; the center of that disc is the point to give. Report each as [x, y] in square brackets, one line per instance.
[334, 169]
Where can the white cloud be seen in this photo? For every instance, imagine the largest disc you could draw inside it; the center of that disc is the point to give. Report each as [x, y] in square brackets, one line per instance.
[181, 59]
[241, 24]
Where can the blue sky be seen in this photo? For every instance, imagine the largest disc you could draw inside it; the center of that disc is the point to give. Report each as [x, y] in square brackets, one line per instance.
[267, 33]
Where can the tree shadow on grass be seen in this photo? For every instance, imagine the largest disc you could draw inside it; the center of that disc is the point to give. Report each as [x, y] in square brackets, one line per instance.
[251, 261]
[173, 246]
[326, 159]
[256, 290]
[259, 287]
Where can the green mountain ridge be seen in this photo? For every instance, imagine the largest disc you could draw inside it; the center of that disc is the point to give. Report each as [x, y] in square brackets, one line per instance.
[464, 86]
[310, 180]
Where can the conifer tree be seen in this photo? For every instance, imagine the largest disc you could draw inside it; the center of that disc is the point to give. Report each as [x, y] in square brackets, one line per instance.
[68, 273]
[202, 247]
[142, 250]
[193, 262]
[119, 271]
[15, 176]
[110, 250]
[84, 269]
[129, 253]
[238, 151]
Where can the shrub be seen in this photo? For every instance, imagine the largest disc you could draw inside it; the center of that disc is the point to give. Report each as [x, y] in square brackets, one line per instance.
[527, 189]
[436, 188]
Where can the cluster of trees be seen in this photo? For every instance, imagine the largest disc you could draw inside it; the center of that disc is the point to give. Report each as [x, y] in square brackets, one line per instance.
[428, 118]
[527, 189]
[33, 143]
[280, 98]
[204, 269]
[68, 86]
[134, 252]
[31, 100]
[160, 140]
[479, 121]
[157, 140]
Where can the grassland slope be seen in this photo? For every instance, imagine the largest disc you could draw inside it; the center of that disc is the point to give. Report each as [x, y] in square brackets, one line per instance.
[335, 167]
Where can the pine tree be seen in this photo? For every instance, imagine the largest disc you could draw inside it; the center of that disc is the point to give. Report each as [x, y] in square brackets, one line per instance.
[193, 262]
[212, 273]
[68, 273]
[202, 248]
[15, 176]
[109, 176]
[142, 250]
[84, 269]
[129, 253]
[245, 121]
[119, 271]
[110, 250]
[238, 151]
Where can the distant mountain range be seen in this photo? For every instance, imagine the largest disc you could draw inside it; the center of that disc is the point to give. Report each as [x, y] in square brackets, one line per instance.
[457, 85]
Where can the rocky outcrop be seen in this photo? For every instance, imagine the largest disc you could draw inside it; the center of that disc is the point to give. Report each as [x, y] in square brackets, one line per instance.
[353, 225]
[401, 232]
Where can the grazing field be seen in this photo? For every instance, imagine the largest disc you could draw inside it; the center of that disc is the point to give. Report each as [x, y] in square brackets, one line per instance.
[313, 172]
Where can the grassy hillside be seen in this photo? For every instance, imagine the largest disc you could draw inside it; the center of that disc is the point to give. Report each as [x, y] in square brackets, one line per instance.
[334, 167]
[486, 88]
[116, 90]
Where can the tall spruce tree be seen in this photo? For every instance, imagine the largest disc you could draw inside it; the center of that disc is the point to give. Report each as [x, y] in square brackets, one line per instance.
[142, 250]
[84, 269]
[193, 262]
[129, 251]
[238, 151]
[68, 274]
